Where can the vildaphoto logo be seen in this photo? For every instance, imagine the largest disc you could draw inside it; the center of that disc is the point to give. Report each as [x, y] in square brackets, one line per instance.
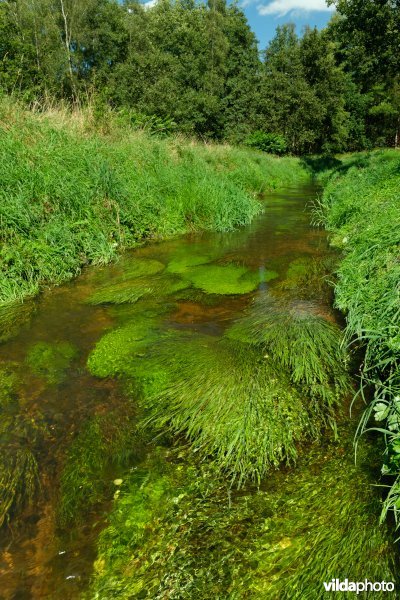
[358, 586]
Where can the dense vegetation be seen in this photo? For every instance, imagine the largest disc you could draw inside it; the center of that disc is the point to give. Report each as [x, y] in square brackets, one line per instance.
[72, 196]
[195, 67]
[361, 207]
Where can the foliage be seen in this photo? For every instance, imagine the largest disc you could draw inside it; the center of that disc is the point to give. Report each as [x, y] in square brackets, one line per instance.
[176, 530]
[360, 206]
[71, 197]
[50, 360]
[267, 142]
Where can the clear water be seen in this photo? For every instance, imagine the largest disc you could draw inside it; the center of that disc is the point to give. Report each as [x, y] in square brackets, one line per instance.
[37, 559]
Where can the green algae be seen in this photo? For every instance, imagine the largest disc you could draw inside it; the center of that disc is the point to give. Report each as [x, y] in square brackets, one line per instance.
[51, 360]
[131, 290]
[104, 444]
[176, 531]
[225, 280]
[180, 265]
[115, 352]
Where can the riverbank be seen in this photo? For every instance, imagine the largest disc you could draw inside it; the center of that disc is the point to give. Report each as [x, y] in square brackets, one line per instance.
[76, 193]
[360, 207]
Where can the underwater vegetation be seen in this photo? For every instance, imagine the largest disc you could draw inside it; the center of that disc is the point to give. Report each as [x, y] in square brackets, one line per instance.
[19, 434]
[308, 278]
[360, 207]
[226, 280]
[230, 403]
[131, 291]
[115, 352]
[51, 360]
[105, 443]
[13, 317]
[302, 343]
[242, 401]
[177, 530]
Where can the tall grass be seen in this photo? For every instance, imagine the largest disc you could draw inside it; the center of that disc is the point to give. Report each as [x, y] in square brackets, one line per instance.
[73, 195]
[361, 208]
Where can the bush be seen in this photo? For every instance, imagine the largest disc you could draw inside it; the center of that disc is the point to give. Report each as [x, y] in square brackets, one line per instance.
[267, 142]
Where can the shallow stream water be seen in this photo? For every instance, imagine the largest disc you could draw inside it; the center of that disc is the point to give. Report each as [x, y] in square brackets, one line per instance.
[38, 559]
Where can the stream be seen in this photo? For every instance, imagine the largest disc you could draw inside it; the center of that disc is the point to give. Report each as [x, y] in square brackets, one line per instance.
[40, 559]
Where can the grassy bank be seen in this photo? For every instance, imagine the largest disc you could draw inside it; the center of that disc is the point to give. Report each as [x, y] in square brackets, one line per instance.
[74, 194]
[361, 208]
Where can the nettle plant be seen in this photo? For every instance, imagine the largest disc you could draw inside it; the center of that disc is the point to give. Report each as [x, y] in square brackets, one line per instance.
[385, 410]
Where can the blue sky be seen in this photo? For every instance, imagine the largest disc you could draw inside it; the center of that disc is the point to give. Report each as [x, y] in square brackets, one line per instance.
[265, 15]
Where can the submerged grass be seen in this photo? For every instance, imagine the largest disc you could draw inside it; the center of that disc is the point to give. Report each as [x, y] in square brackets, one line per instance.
[72, 196]
[301, 343]
[361, 208]
[177, 531]
[19, 433]
[105, 442]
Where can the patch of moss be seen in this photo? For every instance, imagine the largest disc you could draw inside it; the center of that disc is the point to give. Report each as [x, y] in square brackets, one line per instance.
[50, 361]
[130, 291]
[115, 352]
[182, 264]
[226, 280]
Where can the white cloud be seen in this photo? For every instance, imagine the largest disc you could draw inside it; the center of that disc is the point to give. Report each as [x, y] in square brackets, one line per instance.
[280, 8]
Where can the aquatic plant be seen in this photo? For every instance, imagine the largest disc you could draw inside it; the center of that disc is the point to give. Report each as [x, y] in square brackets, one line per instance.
[177, 531]
[130, 291]
[309, 278]
[105, 442]
[19, 433]
[51, 360]
[19, 480]
[182, 264]
[115, 352]
[307, 346]
[230, 403]
[13, 317]
[227, 279]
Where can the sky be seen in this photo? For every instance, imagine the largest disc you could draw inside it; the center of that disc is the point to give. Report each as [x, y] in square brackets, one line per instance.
[265, 15]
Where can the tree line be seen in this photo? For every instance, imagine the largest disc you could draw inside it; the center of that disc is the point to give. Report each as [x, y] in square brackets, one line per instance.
[196, 67]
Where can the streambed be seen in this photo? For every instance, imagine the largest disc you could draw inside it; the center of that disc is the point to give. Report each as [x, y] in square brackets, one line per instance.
[66, 361]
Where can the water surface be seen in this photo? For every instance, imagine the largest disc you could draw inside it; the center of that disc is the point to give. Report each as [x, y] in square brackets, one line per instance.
[38, 559]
